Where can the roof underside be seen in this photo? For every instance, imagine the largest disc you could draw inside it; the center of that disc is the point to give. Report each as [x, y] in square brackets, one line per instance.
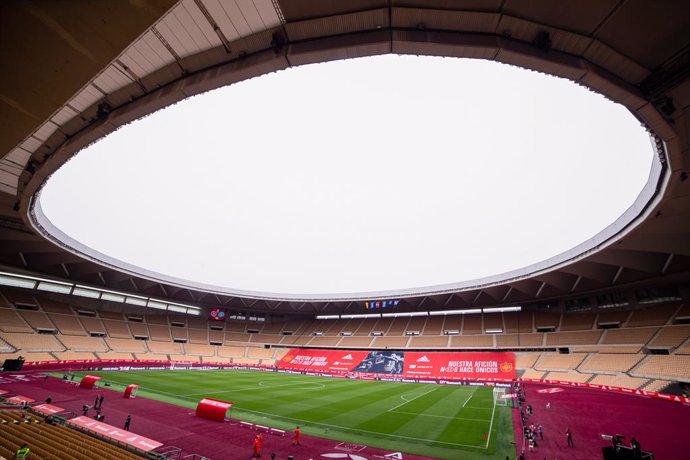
[76, 71]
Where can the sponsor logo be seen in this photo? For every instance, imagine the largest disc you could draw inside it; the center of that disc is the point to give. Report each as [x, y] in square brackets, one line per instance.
[506, 366]
[413, 366]
[341, 455]
[287, 358]
[423, 359]
[347, 357]
[550, 390]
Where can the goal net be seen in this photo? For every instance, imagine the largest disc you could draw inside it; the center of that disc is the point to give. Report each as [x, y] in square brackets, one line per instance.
[500, 396]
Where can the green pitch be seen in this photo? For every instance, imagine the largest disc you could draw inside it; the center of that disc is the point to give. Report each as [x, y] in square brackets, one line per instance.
[442, 421]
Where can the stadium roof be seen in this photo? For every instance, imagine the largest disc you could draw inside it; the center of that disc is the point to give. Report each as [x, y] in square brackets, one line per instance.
[77, 71]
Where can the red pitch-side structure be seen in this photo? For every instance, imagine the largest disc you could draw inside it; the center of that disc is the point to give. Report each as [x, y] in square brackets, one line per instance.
[88, 381]
[212, 409]
[131, 391]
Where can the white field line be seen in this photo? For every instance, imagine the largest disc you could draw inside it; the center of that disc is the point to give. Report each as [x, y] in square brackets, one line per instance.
[468, 399]
[405, 401]
[340, 427]
[377, 433]
[488, 436]
[259, 387]
[443, 416]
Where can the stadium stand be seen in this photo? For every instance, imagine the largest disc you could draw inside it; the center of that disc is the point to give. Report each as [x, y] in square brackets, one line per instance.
[169, 347]
[629, 335]
[472, 341]
[29, 356]
[609, 363]
[578, 322]
[117, 329]
[200, 336]
[568, 377]
[67, 324]
[126, 345]
[664, 367]
[74, 355]
[519, 340]
[533, 374]
[612, 318]
[621, 380]
[390, 342]
[595, 353]
[395, 327]
[526, 360]
[356, 342]
[159, 332]
[92, 325]
[552, 361]
[472, 325]
[151, 356]
[10, 321]
[670, 337]
[572, 338]
[37, 320]
[83, 343]
[139, 329]
[434, 325]
[32, 342]
[53, 441]
[260, 353]
[429, 342]
[657, 316]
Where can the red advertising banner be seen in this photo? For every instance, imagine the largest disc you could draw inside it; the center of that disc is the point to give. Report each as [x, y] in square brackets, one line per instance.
[48, 409]
[406, 365]
[117, 434]
[326, 361]
[460, 365]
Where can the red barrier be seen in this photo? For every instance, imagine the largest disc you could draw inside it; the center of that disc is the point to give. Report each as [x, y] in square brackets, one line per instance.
[130, 391]
[88, 381]
[212, 409]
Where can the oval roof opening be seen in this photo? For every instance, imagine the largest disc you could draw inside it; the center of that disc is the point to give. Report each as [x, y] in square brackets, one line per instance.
[386, 175]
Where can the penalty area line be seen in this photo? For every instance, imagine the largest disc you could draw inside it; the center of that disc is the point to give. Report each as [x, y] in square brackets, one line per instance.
[442, 416]
[405, 401]
[488, 436]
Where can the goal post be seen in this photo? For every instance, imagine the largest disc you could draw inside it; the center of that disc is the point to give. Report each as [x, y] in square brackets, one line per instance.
[500, 396]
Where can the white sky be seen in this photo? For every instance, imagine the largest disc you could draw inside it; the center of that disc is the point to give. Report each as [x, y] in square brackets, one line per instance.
[364, 175]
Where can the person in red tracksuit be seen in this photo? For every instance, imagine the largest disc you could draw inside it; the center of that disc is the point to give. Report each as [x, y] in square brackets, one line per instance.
[257, 446]
[295, 438]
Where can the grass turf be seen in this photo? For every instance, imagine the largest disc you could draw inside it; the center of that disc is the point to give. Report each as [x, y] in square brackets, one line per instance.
[443, 421]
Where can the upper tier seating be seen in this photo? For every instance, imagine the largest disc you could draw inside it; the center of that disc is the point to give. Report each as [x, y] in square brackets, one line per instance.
[67, 324]
[670, 336]
[83, 343]
[553, 361]
[622, 381]
[32, 342]
[610, 363]
[10, 321]
[657, 316]
[661, 366]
